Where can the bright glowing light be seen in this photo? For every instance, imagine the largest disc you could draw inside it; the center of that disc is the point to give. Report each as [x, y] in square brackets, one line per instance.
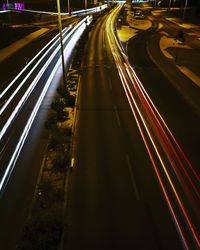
[34, 59]
[16, 6]
[145, 112]
[70, 40]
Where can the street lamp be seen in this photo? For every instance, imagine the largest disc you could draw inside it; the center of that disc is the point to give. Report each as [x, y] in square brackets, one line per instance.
[170, 2]
[184, 11]
[69, 11]
[61, 40]
[8, 8]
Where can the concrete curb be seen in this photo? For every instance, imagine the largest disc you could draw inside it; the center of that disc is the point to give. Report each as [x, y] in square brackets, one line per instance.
[14, 47]
[186, 89]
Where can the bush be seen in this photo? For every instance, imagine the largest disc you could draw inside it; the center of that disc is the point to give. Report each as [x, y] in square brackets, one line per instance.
[60, 164]
[51, 122]
[43, 231]
[64, 94]
[72, 100]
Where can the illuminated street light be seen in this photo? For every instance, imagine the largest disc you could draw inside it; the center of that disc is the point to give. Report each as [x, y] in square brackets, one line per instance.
[61, 40]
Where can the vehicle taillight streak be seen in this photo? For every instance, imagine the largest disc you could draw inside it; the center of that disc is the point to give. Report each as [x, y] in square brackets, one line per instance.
[168, 159]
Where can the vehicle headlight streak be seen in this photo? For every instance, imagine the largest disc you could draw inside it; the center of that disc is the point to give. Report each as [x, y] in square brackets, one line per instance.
[32, 60]
[74, 35]
[27, 76]
[30, 88]
[37, 78]
[175, 155]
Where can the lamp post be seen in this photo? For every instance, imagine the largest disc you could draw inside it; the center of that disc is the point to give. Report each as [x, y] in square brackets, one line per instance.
[8, 8]
[170, 2]
[68, 4]
[61, 41]
[184, 11]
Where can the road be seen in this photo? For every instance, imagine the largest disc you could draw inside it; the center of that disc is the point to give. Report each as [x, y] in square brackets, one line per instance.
[178, 113]
[114, 201]
[22, 153]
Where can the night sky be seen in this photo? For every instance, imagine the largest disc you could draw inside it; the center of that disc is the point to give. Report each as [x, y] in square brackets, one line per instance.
[42, 4]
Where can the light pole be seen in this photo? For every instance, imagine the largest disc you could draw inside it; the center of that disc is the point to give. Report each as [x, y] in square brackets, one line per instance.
[184, 11]
[68, 4]
[9, 13]
[7, 3]
[85, 4]
[170, 2]
[61, 40]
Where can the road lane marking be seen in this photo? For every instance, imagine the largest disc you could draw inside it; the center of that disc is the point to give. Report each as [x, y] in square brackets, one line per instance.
[104, 46]
[132, 178]
[72, 162]
[117, 115]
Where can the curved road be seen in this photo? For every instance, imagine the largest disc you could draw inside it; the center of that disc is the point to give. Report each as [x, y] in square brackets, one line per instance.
[114, 200]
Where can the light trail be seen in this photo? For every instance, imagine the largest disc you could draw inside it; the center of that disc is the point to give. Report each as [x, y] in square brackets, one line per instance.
[134, 106]
[28, 91]
[167, 129]
[164, 136]
[75, 35]
[32, 60]
[28, 75]
[37, 78]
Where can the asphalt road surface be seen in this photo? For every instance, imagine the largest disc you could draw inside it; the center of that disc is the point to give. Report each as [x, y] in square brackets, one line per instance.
[16, 197]
[114, 199]
[179, 114]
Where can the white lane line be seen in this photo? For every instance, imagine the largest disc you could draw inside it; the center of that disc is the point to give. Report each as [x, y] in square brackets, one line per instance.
[117, 115]
[77, 31]
[132, 178]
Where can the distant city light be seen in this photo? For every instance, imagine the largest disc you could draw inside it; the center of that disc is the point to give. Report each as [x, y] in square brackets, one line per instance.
[16, 6]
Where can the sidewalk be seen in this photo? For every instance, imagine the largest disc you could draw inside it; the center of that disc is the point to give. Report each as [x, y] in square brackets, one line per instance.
[14, 47]
[185, 57]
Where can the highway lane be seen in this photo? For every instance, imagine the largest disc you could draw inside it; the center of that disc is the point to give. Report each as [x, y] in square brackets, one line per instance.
[178, 114]
[23, 94]
[114, 201]
[22, 153]
[15, 63]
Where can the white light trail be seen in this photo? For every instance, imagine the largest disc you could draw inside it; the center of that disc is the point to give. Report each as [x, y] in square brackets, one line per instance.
[27, 76]
[75, 35]
[32, 60]
[37, 78]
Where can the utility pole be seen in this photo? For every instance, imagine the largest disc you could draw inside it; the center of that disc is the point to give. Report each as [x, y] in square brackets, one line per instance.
[61, 41]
